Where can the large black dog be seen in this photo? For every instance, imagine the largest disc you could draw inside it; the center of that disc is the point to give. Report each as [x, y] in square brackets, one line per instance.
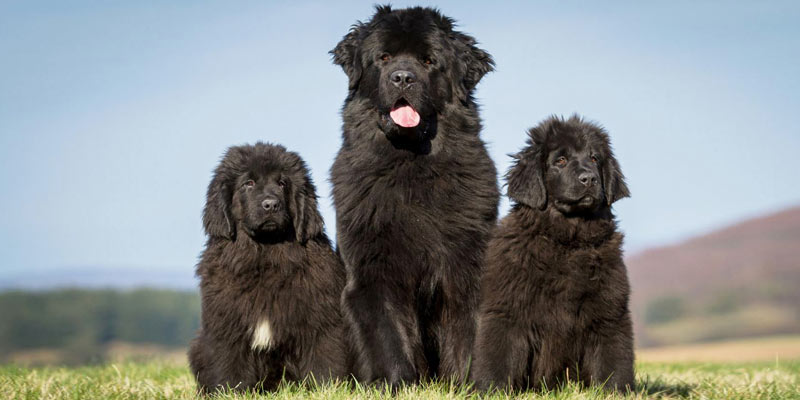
[270, 283]
[555, 291]
[415, 193]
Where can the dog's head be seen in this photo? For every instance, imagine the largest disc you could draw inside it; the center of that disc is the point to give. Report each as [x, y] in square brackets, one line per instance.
[265, 192]
[568, 165]
[409, 64]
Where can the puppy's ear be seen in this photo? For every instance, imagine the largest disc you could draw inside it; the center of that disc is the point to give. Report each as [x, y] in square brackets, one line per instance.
[614, 182]
[306, 217]
[217, 217]
[526, 181]
[526, 176]
[346, 55]
[477, 62]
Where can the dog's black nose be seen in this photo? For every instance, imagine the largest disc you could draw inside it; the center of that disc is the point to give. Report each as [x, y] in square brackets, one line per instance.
[588, 178]
[271, 205]
[402, 79]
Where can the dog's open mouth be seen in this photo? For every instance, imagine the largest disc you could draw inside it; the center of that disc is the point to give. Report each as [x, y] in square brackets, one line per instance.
[404, 115]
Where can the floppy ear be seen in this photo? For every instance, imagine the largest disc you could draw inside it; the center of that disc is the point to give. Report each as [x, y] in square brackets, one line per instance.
[306, 217]
[614, 181]
[217, 218]
[478, 63]
[526, 179]
[346, 55]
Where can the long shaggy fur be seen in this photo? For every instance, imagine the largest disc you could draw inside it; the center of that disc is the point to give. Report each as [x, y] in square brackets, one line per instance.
[555, 290]
[414, 207]
[289, 278]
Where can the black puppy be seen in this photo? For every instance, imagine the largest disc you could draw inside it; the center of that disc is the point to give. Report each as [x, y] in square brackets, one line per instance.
[415, 193]
[270, 282]
[555, 290]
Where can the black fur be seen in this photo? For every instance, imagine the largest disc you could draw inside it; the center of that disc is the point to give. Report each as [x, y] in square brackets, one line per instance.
[414, 206]
[266, 257]
[555, 290]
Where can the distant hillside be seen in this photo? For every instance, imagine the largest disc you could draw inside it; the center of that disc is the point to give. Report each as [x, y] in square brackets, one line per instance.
[100, 277]
[740, 281]
[78, 326]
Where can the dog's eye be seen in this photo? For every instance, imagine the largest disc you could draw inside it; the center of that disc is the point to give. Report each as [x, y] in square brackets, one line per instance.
[427, 61]
[561, 161]
[250, 183]
[594, 159]
[282, 183]
[385, 57]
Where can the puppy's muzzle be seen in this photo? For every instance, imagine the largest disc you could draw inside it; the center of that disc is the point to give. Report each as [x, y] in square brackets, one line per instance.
[271, 205]
[588, 179]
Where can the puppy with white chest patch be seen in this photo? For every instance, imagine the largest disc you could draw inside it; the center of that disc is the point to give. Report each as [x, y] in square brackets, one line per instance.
[269, 280]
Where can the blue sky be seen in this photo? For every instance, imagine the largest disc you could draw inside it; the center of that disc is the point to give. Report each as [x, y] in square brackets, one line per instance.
[113, 114]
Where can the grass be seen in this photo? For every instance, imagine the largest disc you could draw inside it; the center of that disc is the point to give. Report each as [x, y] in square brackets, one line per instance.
[159, 380]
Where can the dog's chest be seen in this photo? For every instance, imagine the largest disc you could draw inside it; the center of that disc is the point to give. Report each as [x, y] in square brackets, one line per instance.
[584, 269]
[569, 279]
[259, 306]
[590, 285]
[262, 335]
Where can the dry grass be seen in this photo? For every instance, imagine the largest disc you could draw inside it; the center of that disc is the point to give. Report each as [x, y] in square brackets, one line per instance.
[759, 349]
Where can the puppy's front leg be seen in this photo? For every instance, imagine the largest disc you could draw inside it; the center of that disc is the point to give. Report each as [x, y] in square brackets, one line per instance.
[609, 358]
[501, 354]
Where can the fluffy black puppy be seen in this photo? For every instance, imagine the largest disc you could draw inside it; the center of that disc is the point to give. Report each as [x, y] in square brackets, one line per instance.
[555, 290]
[270, 282]
[415, 193]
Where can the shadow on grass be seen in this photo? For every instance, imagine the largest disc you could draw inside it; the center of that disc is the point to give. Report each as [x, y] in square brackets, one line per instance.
[658, 388]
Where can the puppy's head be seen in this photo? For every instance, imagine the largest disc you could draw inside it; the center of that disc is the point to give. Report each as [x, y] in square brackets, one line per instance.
[263, 191]
[568, 165]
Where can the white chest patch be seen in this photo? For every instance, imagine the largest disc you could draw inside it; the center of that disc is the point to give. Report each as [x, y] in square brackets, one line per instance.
[262, 335]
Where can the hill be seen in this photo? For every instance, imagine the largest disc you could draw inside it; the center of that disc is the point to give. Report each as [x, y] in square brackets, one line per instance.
[74, 326]
[739, 281]
[99, 277]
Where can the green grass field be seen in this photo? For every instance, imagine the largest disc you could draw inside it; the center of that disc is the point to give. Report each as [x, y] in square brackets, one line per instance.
[158, 380]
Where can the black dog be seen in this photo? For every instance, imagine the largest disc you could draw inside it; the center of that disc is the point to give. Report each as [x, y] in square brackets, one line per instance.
[555, 291]
[415, 194]
[270, 282]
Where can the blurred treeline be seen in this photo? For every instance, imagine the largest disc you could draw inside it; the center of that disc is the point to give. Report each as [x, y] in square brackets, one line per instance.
[79, 326]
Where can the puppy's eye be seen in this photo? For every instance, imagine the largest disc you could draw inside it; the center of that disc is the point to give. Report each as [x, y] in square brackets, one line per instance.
[561, 161]
[385, 57]
[594, 159]
[427, 61]
[250, 183]
[282, 183]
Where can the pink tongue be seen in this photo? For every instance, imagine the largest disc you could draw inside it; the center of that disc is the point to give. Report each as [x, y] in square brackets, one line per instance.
[405, 116]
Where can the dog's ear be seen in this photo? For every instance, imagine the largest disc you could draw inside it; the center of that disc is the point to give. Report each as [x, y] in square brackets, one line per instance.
[217, 217]
[305, 213]
[526, 176]
[526, 180]
[346, 55]
[476, 61]
[614, 184]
